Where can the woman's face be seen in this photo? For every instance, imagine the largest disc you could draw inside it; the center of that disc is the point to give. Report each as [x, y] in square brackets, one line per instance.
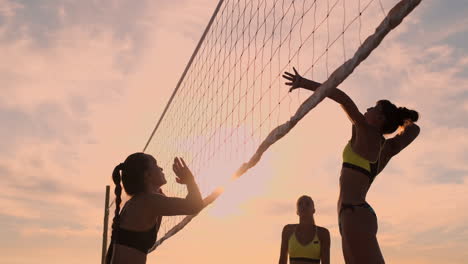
[374, 115]
[155, 176]
[305, 207]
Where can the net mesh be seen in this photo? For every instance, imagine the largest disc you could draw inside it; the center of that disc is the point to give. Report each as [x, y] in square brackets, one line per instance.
[231, 103]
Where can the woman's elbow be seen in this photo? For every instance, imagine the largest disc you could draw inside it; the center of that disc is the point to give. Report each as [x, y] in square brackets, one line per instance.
[199, 206]
[195, 207]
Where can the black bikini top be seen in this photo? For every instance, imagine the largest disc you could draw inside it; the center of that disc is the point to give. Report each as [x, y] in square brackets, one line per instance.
[140, 240]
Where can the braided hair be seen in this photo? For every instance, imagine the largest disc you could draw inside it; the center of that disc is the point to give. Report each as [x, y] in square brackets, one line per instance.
[132, 177]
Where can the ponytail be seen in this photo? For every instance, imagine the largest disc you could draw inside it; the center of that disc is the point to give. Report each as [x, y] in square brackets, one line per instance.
[405, 114]
[132, 178]
[116, 220]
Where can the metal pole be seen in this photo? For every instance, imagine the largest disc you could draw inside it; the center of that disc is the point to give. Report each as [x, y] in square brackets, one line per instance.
[106, 220]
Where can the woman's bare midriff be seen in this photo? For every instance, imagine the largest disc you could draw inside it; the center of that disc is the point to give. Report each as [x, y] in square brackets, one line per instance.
[124, 254]
[353, 187]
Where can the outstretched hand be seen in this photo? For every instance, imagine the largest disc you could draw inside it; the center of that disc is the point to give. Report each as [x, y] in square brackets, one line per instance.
[183, 173]
[295, 79]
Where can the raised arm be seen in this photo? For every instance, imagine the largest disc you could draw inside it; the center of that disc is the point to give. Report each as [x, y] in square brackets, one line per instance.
[283, 259]
[354, 115]
[191, 204]
[167, 206]
[408, 134]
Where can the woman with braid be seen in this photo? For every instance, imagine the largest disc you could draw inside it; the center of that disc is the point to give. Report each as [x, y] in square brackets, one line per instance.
[366, 155]
[135, 227]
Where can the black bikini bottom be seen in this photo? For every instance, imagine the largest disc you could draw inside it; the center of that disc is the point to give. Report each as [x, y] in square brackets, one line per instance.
[345, 206]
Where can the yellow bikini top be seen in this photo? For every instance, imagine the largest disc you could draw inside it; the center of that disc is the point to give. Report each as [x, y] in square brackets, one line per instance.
[299, 253]
[354, 161]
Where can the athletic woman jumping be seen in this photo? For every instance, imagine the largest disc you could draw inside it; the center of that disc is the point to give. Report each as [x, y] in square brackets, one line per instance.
[366, 155]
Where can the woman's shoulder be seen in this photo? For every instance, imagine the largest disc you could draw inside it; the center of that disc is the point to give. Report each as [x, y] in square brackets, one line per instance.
[150, 198]
[323, 231]
[289, 226]
[321, 228]
[289, 229]
[145, 203]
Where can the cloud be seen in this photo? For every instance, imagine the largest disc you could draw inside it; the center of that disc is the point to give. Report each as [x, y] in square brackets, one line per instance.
[429, 80]
[8, 8]
[75, 74]
[448, 176]
[45, 122]
[58, 232]
[437, 27]
[17, 209]
[42, 21]
[278, 208]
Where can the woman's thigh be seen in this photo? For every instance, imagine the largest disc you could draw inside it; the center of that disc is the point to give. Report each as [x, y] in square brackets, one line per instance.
[346, 252]
[359, 230]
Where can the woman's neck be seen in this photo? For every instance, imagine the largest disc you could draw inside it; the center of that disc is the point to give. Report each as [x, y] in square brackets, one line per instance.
[152, 190]
[306, 221]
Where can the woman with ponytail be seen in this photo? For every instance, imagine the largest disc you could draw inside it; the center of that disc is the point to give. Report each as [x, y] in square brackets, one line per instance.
[135, 227]
[366, 155]
[305, 242]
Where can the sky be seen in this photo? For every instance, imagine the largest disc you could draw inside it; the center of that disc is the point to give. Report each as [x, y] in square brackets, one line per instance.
[84, 82]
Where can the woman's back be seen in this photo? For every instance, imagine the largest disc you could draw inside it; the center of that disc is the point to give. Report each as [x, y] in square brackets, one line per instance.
[137, 231]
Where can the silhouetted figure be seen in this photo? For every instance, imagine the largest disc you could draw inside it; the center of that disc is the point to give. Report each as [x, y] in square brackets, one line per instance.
[305, 242]
[365, 156]
[135, 227]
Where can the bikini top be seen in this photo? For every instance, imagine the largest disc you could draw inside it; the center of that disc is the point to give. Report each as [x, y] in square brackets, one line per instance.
[354, 161]
[309, 253]
[140, 240]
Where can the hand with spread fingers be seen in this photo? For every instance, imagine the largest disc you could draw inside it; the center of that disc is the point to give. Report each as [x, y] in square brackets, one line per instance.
[183, 173]
[295, 79]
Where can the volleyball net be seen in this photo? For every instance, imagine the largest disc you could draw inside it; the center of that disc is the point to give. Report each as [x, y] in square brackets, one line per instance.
[230, 104]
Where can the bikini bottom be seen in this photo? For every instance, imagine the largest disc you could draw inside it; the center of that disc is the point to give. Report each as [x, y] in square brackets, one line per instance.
[345, 206]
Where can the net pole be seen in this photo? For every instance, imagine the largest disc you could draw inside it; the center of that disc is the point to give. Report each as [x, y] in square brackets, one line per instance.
[195, 52]
[106, 218]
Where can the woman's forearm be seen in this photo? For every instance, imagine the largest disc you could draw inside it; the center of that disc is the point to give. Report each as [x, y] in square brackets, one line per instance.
[336, 94]
[194, 195]
[309, 84]
[410, 130]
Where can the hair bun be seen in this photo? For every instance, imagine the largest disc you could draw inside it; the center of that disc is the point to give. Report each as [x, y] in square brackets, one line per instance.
[405, 113]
